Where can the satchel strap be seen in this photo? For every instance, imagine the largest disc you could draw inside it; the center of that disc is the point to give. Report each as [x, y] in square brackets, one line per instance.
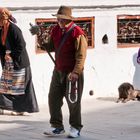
[64, 39]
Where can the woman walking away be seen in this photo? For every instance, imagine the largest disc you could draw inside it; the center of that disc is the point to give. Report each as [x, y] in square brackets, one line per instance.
[13, 49]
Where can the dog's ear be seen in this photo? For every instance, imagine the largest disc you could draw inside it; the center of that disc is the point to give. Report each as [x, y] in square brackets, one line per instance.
[130, 86]
[123, 90]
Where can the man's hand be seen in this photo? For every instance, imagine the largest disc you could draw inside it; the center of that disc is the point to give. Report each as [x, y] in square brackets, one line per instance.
[73, 77]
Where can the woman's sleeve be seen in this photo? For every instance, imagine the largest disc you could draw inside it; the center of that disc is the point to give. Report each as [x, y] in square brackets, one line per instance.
[19, 42]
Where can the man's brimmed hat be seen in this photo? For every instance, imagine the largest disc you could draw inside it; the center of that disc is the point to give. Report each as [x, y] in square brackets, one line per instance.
[64, 12]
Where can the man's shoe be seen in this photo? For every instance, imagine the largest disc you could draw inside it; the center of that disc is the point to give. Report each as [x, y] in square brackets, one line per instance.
[55, 132]
[73, 133]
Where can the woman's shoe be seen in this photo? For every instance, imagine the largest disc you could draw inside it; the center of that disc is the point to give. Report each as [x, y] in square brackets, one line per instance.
[1, 111]
[17, 113]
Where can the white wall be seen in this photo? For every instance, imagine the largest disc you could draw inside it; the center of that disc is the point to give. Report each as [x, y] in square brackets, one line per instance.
[106, 66]
[22, 3]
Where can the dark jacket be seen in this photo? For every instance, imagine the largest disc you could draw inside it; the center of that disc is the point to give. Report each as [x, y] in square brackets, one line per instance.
[17, 44]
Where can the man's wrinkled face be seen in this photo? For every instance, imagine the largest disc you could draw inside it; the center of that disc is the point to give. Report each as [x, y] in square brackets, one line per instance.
[61, 22]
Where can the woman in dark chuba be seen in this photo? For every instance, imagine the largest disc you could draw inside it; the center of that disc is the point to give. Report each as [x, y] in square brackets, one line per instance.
[11, 35]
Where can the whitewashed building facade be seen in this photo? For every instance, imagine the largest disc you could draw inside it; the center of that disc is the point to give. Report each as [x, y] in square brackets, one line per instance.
[107, 65]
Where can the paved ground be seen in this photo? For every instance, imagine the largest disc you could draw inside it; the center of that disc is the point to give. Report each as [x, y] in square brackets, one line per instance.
[103, 119]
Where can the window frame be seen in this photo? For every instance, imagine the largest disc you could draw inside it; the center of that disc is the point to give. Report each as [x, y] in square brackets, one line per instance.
[81, 21]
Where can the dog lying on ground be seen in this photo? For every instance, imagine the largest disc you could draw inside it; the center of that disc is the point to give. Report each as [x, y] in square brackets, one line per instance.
[127, 93]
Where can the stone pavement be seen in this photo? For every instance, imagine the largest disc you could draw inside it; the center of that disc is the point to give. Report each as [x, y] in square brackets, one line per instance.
[103, 119]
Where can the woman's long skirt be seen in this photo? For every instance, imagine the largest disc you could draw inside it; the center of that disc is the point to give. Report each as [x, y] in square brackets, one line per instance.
[21, 103]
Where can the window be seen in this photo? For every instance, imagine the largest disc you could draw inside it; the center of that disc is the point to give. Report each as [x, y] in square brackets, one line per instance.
[46, 25]
[128, 32]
